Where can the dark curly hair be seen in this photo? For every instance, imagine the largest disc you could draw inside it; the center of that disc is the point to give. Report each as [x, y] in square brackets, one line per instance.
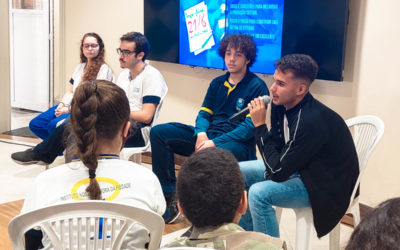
[240, 42]
[379, 229]
[141, 42]
[302, 66]
[92, 70]
[210, 187]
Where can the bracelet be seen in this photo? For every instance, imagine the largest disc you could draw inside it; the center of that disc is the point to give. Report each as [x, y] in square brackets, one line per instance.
[64, 104]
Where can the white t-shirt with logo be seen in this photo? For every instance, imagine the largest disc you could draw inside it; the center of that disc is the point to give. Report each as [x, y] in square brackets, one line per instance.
[120, 181]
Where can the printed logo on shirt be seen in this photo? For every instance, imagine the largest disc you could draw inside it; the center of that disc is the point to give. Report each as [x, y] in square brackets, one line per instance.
[239, 104]
[110, 189]
[136, 90]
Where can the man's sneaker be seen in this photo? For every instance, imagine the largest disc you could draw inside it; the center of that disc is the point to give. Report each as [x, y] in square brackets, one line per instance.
[27, 157]
[173, 213]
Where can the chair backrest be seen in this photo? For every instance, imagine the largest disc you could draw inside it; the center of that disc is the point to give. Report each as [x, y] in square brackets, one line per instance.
[127, 152]
[82, 225]
[185, 248]
[367, 130]
[146, 133]
[156, 114]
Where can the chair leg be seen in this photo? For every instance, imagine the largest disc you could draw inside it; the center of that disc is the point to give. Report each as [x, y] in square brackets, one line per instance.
[137, 158]
[355, 211]
[334, 238]
[304, 224]
[278, 212]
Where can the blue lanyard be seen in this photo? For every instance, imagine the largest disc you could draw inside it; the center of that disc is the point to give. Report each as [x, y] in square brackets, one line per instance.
[101, 157]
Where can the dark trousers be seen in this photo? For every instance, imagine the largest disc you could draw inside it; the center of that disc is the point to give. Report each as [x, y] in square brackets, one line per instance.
[167, 139]
[54, 145]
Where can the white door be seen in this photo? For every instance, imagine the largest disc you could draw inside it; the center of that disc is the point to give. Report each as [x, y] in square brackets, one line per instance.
[30, 54]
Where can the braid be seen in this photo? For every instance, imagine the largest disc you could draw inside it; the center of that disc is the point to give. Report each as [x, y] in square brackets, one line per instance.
[99, 111]
[83, 118]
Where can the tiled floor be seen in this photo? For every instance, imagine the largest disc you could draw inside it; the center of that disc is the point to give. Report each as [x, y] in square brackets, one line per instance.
[16, 179]
[21, 117]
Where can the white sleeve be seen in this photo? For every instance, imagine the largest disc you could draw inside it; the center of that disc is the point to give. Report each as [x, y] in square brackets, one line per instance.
[77, 75]
[105, 73]
[153, 84]
[136, 238]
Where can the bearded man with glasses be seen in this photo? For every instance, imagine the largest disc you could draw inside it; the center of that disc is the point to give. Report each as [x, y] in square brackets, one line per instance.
[144, 86]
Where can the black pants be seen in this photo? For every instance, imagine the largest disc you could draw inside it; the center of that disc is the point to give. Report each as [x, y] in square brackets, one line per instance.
[54, 145]
[33, 239]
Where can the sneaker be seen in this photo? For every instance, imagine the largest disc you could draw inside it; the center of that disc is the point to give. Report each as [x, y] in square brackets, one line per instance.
[173, 213]
[27, 157]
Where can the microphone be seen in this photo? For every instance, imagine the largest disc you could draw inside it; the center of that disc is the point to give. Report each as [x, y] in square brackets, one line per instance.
[242, 113]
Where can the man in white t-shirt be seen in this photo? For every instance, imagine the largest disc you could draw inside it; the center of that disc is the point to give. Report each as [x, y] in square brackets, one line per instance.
[144, 86]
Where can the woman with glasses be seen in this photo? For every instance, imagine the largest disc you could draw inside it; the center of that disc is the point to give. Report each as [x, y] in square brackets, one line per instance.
[91, 67]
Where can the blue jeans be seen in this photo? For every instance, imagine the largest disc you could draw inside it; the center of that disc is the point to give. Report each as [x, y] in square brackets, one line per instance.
[263, 194]
[43, 124]
[167, 139]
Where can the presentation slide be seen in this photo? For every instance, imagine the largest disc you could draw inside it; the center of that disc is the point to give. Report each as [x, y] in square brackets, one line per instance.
[203, 24]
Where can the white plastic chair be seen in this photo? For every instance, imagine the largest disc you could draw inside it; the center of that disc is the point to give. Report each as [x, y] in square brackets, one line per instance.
[126, 153]
[63, 223]
[185, 248]
[367, 130]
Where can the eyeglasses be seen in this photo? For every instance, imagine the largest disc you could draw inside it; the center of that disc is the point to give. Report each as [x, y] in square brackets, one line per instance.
[124, 52]
[88, 46]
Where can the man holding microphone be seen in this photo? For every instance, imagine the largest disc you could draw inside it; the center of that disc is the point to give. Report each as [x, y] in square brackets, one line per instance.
[308, 154]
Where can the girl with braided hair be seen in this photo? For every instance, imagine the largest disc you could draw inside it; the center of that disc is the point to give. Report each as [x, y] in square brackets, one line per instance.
[92, 66]
[100, 125]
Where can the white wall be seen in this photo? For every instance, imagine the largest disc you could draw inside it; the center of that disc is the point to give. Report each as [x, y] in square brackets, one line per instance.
[379, 94]
[370, 83]
[5, 121]
[109, 19]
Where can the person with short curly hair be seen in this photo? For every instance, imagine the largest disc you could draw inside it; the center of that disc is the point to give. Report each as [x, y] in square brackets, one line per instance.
[226, 95]
[211, 194]
[243, 43]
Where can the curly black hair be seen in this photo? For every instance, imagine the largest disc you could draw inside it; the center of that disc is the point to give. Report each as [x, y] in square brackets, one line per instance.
[302, 66]
[210, 187]
[240, 42]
